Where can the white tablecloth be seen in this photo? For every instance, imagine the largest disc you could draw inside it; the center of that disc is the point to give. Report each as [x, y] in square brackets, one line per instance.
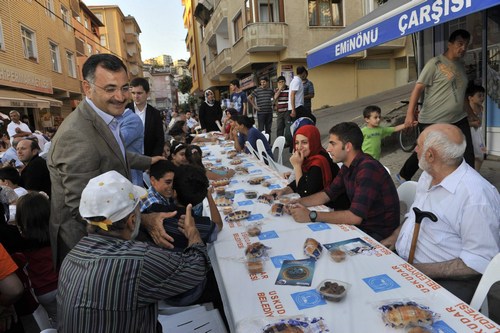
[376, 278]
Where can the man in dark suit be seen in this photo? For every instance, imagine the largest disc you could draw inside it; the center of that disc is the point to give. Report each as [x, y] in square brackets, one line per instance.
[154, 136]
[87, 144]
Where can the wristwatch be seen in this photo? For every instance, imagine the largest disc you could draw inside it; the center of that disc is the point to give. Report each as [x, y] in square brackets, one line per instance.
[313, 215]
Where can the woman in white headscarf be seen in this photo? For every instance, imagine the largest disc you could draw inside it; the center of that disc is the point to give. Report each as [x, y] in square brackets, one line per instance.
[210, 112]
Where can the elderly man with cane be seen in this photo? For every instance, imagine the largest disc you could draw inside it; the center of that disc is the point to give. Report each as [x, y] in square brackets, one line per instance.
[455, 249]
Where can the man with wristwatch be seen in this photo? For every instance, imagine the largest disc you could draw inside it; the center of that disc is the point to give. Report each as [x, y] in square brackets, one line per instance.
[374, 199]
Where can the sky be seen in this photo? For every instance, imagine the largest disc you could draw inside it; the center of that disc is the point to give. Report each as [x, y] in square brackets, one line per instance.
[160, 22]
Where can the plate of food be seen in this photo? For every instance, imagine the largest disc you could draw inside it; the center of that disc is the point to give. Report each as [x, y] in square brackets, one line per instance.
[238, 215]
[255, 180]
[221, 182]
[223, 202]
[236, 161]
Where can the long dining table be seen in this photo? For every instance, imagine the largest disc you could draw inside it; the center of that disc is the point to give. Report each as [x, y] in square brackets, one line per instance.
[376, 280]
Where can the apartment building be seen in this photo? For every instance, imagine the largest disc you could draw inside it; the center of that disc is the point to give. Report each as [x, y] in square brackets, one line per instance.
[120, 35]
[38, 60]
[163, 89]
[248, 39]
[87, 38]
[193, 39]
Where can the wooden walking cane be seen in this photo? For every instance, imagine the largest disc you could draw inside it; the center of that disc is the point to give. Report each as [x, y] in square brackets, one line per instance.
[419, 216]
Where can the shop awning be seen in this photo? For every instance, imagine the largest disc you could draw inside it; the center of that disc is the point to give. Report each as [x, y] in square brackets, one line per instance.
[394, 19]
[9, 98]
[53, 102]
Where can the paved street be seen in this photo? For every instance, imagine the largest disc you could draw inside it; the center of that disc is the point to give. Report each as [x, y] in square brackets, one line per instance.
[392, 155]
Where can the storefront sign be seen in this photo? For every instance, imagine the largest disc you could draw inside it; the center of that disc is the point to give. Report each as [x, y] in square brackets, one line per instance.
[15, 77]
[247, 82]
[412, 17]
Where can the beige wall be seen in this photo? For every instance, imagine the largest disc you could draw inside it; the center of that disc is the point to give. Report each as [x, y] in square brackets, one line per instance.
[15, 14]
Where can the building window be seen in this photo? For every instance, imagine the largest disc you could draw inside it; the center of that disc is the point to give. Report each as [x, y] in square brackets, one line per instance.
[54, 57]
[65, 18]
[29, 43]
[99, 16]
[103, 40]
[89, 49]
[248, 11]
[70, 57]
[326, 13]
[238, 27]
[49, 5]
[2, 43]
[86, 22]
[80, 46]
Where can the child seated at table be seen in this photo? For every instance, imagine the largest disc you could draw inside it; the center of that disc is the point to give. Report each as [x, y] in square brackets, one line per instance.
[172, 190]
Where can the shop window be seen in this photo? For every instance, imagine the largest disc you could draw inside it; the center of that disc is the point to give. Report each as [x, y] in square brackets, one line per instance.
[29, 43]
[54, 57]
[70, 58]
[238, 27]
[49, 9]
[66, 18]
[326, 13]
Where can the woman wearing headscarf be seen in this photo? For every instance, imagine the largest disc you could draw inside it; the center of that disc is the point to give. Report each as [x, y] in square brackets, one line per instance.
[311, 165]
[210, 112]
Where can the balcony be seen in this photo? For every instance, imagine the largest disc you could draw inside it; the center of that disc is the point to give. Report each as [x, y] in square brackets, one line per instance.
[265, 37]
[220, 65]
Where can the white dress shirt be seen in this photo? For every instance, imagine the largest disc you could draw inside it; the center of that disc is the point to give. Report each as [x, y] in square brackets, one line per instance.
[141, 113]
[468, 210]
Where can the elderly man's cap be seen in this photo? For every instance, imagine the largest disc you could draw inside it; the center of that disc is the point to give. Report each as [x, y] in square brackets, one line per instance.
[111, 196]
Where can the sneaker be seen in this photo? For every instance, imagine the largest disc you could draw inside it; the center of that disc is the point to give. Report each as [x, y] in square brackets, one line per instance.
[400, 179]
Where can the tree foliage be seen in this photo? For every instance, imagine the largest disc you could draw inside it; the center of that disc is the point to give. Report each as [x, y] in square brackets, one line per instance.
[185, 84]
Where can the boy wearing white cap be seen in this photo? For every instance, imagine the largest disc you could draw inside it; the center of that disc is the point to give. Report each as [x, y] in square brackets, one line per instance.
[111, 283]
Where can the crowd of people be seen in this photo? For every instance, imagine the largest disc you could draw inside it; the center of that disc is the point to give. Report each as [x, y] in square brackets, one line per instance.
[96, 242]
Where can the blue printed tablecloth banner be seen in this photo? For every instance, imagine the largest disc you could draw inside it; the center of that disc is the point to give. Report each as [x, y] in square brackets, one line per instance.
[318, 226]
[307, 299]
[274, 186]
[268, 235]
[204, 148]
[238, 191]
[278, 260]
[441, 327]
[255, 171]
[233, 181]
[245, 203]
[217, 164]
[248, 165]
[267, 177]
[228, 148]
[381, 283]
[211, 158]
[255, 217]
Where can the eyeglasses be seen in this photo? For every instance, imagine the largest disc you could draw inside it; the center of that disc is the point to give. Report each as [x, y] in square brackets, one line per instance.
[111, 90]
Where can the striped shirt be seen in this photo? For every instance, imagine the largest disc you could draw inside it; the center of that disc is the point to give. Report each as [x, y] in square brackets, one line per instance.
[110, 285]
[282, 100]
[264, 99]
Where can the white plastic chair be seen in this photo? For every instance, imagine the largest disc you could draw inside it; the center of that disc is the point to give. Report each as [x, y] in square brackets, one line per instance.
[279, 168]
[490, 276]
[251, 150]
[146, 180]
[406, 194]
[279, 143]
[266, 135]
[261, 150]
